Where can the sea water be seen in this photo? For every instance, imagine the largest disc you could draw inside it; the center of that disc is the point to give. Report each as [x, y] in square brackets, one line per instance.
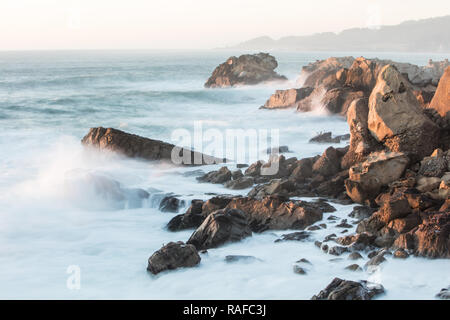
[48, 102]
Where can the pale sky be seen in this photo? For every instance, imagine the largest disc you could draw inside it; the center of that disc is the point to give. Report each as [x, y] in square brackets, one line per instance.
[189, 24]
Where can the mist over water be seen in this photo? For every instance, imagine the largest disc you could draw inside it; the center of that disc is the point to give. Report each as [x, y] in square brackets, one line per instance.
[52, 214]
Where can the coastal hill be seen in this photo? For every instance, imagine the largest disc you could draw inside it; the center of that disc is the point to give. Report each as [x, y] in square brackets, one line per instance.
[428, 35]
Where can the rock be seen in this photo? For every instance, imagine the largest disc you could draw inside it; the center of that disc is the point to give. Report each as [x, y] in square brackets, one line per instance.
[354, 267]
[134, 146]
[276, 187]
[400, 254]
[434, 166]
[444, 294]
[303, 260]
[357, 242]
[172, 256]
[362, 143]
[171, 204]
[240, 183]
[275, 213]
[315, 73]
[248, 69]
[361, 212]
[396, 119]
[243, 259]
[340, 289]
[283, 99]
[338, 100]
[241, 165]
[355, 256]
[375, 261]
[303, 170]
[337, 250]
[441, 99]
[380, 169]
[344, 224]
[217, 177]
[425, 184]
[327, 138]
[236, 174]
[329, 237]
[254, 170]
[299, 270]
[278, 150]
[328, 164]
[363, 74]
[221, 226]
[296, 236]
[197, 212]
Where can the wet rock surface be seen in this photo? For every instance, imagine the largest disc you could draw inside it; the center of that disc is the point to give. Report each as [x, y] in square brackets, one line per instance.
[340, 289]
[172, 256]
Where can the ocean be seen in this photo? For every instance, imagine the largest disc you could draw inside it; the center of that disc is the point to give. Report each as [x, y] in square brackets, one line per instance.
[48, 102]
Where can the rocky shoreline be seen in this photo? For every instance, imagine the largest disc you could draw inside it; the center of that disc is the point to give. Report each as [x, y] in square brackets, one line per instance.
[396, 168]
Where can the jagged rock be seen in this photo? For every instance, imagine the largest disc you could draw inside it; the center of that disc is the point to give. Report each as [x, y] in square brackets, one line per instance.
[283, 99]
[303, 169]
[134, 146]
[236, 174]
[172, 256]
[340, 289]
[427, 184]
[375, 261]
[441, 99]
[296, 236]
[221, 226]
[197, 212]
[380, 169]
[444, 294]
[338, 100]
[218, 177]
[275, 213]
[248, 69]
[401, 254]
[362, 143]
[240, 183]
[276, 187]
[396, 118]
[434, 165]
[361, 212]
[170, 204]
[337, 250]
[328, 138]
[315, 73]
[328, 164]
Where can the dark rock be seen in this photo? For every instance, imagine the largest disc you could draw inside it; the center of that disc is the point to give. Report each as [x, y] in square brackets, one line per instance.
[243, 259]
[278, 150]
[355, 256]
[303, 260]
[444, 294]
[340, 289]
[296, 236]
[344, 224]
[222, 226]
[240, 183]
[337, 250]
[171, 204]
[375, 261]
[299, 270]
[218, 177]
[328, 164]
[354, 267]
[361, 212]
[173, 256]
[401, 254]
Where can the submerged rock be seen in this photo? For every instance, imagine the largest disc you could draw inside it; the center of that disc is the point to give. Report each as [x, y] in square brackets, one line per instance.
[243, 259]
[172, 256]
[296, 236]
[340, 289]
[248, 69]
[171, 204]
[444, 294]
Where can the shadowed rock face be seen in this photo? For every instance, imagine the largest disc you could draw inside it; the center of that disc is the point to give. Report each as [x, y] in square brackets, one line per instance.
[248, 69]
[172, 256]
[340, 289]
[441, 100]
[135, 146]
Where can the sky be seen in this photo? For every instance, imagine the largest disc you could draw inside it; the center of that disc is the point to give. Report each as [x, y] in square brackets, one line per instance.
[190, 24]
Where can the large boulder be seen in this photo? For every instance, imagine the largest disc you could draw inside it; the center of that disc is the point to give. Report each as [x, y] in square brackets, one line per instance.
[340, 289]
[441, 99]
[220, 227]
[218, 177]
[248, 69]
[380, 169]
[362, 75]
[396, 119]
[172, 256]
[135, 146]
[362, 142]
[328, 164]
[283, 99]
[315, 73]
